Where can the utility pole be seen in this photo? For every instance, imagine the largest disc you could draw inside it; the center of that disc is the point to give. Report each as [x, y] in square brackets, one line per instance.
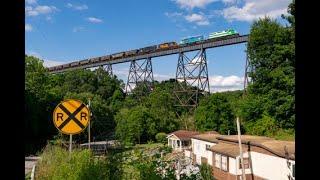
[89, 126]
[240, 147]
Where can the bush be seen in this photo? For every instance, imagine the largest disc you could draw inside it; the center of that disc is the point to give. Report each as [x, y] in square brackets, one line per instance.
[161, 137]
[285, 134]
[206, 172]
[265, 126]
[57, 163]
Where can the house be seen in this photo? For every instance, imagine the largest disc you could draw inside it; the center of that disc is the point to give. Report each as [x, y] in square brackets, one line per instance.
[181, 139]
[264, 158]
[200, 147]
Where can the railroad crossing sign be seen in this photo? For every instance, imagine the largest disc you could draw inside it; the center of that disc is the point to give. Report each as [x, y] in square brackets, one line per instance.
[71, 116]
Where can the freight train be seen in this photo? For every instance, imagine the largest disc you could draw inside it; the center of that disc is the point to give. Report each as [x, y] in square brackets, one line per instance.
[167, 45]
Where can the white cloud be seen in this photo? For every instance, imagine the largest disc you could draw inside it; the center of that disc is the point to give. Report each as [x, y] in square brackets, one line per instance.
[77, 7]
[190, 4]
[229, 2]
[31, 1]
[77, 29]
[254, 9]
[48, 18]
[227, 83]
[28, 27]
[199, 19]
[30, 11]
[50, 63]
[174, 14]
[94, 20]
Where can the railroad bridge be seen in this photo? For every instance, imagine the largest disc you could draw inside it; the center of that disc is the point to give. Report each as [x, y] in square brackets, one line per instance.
[191, 71]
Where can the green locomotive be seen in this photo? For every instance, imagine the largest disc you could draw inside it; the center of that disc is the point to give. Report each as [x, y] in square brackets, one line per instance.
[227, 32]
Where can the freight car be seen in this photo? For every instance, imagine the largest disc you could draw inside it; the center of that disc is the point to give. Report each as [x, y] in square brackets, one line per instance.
[148, 49]
[73, 64]
[167, 45]
[83, 62]
[105, 58]
[66, 65]
[95, 60]
[52, 68]
[132, 52]
[59, 67]
[190, 40]
[117, 55]
[228, 32]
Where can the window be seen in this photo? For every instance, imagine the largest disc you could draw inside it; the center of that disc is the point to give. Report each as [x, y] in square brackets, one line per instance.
[293, 170]
[208, 146]
[218, 160]
[224, 163]
[221, 162]
[246, 163]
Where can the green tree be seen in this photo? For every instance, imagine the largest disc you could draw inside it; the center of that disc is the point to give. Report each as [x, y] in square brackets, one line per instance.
[271, 50]
[215, 113]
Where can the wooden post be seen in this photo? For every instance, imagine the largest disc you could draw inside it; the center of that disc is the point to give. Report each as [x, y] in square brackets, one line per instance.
[240, 147]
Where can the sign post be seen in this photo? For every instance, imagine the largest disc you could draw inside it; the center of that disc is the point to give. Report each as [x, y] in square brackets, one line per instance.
[71, 117]
[70, 144]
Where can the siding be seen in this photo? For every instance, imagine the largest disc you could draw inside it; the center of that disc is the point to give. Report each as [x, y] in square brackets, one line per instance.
[199, 149]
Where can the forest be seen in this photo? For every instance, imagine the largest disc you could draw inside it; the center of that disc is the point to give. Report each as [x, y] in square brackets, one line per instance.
[266, 108]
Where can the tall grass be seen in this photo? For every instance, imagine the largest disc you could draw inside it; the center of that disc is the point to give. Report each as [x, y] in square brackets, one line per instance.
[57, 164]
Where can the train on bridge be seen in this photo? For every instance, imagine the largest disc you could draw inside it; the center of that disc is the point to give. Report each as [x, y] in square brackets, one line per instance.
[215, 36]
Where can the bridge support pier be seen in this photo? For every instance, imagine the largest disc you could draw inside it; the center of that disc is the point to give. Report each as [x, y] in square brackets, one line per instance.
[192, 79]
[108, 69]
[140, 75]
[247, 69]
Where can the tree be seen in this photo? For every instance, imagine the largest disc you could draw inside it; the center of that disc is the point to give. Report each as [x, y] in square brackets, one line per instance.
[271, 50]
[215, 113]
[44, 91]
[38, 107]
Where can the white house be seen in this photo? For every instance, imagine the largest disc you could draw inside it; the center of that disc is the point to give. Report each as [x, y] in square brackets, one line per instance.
[201, 145]
[264, 158]
[180, 140]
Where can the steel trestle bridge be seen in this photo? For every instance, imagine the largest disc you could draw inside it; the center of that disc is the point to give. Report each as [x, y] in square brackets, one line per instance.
[190, 73]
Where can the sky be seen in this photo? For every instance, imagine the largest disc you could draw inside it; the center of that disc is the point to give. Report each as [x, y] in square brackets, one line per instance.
[68, 30]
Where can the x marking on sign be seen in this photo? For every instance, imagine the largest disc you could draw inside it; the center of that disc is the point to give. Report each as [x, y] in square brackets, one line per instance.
[71, 116]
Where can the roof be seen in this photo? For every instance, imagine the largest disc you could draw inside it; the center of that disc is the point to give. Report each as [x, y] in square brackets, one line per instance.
[244, 138]
[229, 145]
[210, 137]
[184, 134]
[227, 149]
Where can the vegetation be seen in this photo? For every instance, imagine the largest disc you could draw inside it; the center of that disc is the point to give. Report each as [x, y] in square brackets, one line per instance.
[57, 163]
[161, 137]
[206, 172]
[269, 106]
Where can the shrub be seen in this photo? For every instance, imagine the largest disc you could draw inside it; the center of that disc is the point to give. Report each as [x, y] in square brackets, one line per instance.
[206, 172]
[265, 126]
[57, 163]
[161, 137]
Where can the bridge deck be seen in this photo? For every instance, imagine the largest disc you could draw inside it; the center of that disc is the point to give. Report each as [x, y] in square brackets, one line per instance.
[192, 47]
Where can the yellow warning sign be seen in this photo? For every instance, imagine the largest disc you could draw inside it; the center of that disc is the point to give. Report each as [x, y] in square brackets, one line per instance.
[71, 116]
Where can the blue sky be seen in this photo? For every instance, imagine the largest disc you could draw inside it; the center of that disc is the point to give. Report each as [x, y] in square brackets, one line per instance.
[68, 30]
